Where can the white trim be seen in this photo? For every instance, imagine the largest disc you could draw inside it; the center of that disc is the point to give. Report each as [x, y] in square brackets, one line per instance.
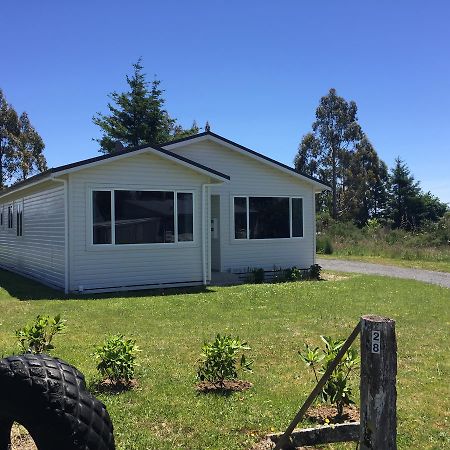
[248, 239]
[13, 190]
[139, 152]
[206, 234]
[52, 176]
[314, 227]
[90, 246]
[299, 176]
[66, 234]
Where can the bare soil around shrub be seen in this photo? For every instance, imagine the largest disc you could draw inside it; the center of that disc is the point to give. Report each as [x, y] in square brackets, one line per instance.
[228, 386]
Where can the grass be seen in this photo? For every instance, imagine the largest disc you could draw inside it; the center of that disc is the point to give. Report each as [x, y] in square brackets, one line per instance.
[164, 412]
[439, 266]
[427, 249]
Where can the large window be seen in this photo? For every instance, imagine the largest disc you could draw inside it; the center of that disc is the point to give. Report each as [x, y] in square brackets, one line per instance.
[268, 217]
[142, 217]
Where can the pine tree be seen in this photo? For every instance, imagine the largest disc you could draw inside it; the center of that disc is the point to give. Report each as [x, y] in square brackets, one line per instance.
[138, 117]
[326, 150]
[28, 155]
[404, 196]
[9, 132]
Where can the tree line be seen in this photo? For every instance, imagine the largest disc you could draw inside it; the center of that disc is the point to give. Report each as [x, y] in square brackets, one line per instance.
[338, 152]
[21, 146]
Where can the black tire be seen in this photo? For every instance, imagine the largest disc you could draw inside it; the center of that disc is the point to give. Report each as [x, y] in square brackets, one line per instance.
[49, 398]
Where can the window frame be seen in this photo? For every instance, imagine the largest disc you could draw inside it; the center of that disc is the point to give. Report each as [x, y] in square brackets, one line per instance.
[113, 245]
[248, 239]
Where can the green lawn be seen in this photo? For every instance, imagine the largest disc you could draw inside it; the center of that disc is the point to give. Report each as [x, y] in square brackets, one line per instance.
[440, 266]
[164, 412]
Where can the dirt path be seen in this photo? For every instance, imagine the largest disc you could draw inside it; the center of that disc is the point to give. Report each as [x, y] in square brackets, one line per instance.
[427, 276]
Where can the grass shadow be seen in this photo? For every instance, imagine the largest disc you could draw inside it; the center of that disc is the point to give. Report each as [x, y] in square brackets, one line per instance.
[109, 388]
[26, 289]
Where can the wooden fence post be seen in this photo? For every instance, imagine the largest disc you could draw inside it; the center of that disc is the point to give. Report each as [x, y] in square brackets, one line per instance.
[378, 384]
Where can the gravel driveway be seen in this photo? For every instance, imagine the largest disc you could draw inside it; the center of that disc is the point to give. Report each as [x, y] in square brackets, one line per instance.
[427, 276]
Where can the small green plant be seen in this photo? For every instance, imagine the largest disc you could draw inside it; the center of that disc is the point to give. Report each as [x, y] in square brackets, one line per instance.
[117, 359]
[36, 337]
[256, 275]
[337, 390]
[324, 245]
[314, 272]
[294, 274]
[220, 358]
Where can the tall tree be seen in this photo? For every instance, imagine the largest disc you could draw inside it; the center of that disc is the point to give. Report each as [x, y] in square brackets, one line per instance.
[28, 155]
[326, 150]
[9, 132]
[138, 117]
[404, 201]
[365, 196]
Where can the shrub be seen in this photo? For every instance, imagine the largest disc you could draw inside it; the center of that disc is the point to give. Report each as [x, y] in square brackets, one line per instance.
[36, 337]
[256, 275]
[314, 272]
[337, 390]
[219, 360]
[293, 274]
[324, 245]
[117, 359]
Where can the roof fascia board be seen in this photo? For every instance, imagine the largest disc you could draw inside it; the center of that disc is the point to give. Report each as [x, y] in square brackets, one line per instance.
[251, 154]
[27, 186]
[139, 152]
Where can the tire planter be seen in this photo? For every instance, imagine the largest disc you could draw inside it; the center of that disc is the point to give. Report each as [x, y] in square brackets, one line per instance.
[48, 397]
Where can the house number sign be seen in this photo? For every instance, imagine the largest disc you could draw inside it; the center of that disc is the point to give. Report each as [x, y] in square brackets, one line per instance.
[376, 341]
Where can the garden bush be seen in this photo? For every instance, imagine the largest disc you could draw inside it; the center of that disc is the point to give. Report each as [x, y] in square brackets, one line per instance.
[221, 359]
[256, 275]
[36, 337]
[117, 359]
[337, 391]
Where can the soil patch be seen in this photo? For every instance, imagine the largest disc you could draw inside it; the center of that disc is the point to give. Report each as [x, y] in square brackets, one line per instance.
[20, 439]
[110, 387]
[227, 386]
[327, 414]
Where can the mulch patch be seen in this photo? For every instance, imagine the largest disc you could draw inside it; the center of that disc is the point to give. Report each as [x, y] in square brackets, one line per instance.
[227, 386]
[110, 387]
[327, 414]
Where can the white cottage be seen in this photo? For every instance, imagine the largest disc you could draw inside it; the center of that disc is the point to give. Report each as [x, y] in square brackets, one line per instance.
[158, 217]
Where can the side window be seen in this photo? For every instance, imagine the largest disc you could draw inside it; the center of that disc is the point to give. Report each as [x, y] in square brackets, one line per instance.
[1, 215]
[10, 216]
[19, 219]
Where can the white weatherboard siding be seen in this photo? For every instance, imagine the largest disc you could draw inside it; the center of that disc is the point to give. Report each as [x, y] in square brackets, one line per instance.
[39, 253]
[96, 268]
[254, 178]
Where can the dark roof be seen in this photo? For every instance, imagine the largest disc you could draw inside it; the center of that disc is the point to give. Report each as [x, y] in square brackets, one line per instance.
[84, 162]
[55, 170]
[260, 155]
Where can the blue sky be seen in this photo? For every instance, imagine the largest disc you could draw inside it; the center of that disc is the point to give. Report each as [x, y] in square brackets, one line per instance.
[255, 69]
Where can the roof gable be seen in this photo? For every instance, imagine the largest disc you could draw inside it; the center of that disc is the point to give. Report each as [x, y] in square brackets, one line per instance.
[244, 150]
[91, 162]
